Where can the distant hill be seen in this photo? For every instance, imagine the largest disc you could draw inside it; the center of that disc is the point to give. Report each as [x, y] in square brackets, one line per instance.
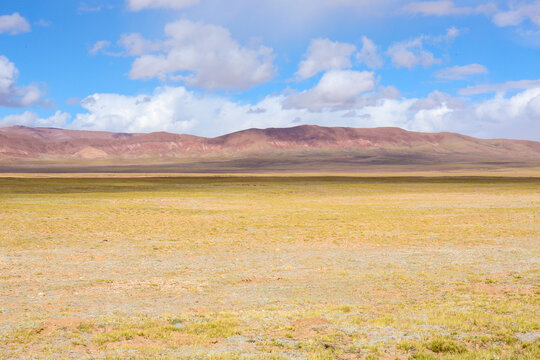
[306, 148]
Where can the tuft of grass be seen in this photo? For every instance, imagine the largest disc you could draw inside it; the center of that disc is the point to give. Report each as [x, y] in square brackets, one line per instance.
[423, 356]
[219, 326]
[23, 335]
[322, 355]
[344, 309]
[121, 329]
[446, 346]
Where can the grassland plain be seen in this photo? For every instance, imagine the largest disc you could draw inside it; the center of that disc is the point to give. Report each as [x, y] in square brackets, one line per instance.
[270, 268]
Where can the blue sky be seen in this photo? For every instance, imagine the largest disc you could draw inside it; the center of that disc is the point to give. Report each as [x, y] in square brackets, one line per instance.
[209, 67]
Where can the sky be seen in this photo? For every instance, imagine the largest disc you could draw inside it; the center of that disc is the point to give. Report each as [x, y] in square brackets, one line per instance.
[210, 67]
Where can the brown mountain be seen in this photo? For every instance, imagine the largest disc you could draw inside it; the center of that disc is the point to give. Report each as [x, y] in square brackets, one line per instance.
[301, 148]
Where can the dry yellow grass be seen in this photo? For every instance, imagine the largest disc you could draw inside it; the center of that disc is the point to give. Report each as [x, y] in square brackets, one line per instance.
[270, 267]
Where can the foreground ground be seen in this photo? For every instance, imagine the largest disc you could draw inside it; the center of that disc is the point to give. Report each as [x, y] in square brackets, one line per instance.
[270, 268]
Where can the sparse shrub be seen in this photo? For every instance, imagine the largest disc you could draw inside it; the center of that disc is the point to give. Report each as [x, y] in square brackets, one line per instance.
[445, 345]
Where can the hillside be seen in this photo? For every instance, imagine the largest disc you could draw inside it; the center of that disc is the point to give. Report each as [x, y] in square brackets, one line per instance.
[301, 148]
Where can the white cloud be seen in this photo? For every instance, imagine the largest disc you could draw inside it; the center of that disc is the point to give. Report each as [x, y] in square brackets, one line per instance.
[202, 55]
[13, 24]
[336, 89]
[99, 46]
[518, 13]
[514, 15]
[516, 116]
[369, 54]
[85, 8]
[500, 88]
[59, 119]
[451, 34]
[410, 54]
[324, 55]
[73, 101]
[446, 7]
[137, 45]
[498, 117]
[508, 18]
[177, 109]
[12, 95]
[137, 5]
[437, 99]
[8, 74]
[461, 72]
[168, 109]
[130, 44]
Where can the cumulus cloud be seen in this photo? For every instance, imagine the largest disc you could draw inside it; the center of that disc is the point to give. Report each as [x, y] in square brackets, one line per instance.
[515, 116]
[498, 117]
[256, 111]
[500, 88]
[137, 45]
[200, 55]
[437, 99]
[12, 95]
[323, 55]
[461, 72]
[177, 109]
[336, 89]
[409, 54]
[369, 54]
[137, 5]
[13, 24]
[446, 7]
[168, 109]
[180, 110]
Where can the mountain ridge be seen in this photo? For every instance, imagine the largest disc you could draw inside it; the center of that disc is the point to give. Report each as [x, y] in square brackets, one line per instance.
[20, 145]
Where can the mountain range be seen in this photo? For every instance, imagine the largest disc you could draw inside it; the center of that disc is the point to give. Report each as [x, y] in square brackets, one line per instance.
[306, 148]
